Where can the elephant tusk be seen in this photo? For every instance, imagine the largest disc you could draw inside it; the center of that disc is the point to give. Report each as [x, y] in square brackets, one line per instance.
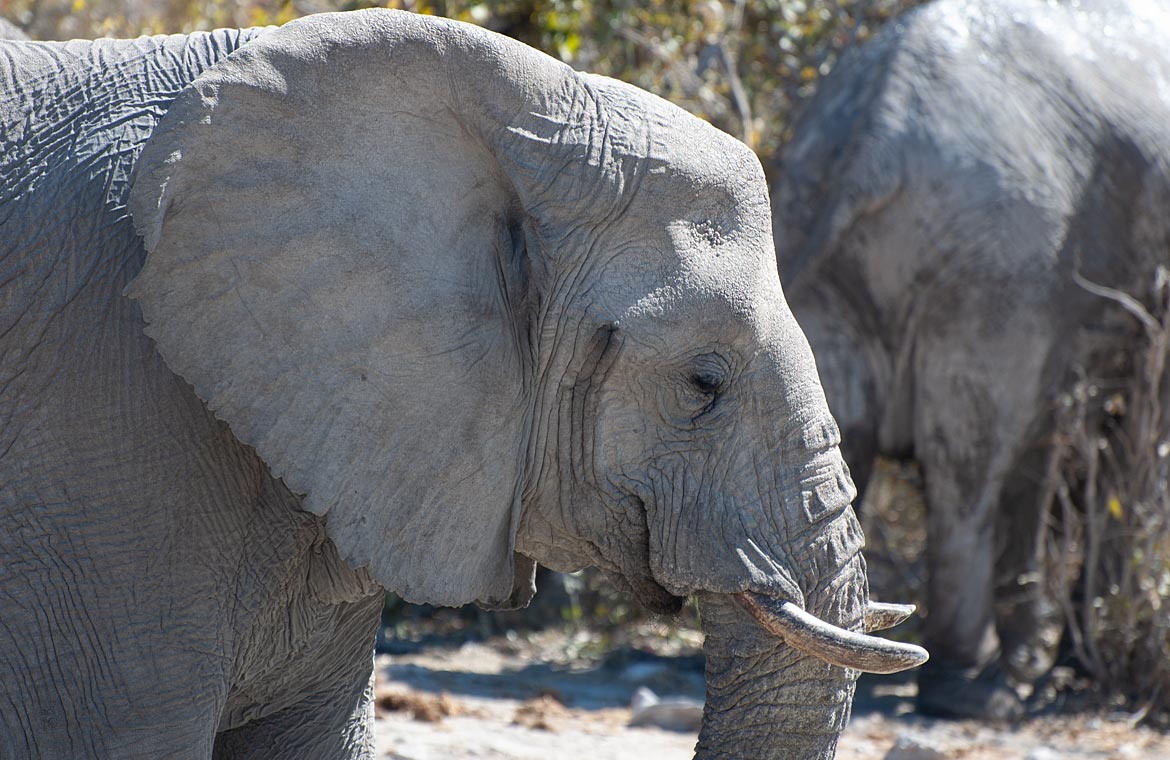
[813, 636]
[879, 616]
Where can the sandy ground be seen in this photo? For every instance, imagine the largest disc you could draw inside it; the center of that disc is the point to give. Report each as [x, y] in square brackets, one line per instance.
[532, 699]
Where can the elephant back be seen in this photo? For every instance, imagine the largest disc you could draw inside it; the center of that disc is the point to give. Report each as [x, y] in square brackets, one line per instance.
[73, 120]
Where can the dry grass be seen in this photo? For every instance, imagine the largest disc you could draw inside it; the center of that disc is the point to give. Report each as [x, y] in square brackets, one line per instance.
[429, 708]
[543, 712]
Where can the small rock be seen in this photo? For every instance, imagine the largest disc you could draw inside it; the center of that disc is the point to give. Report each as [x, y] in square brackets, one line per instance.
[642, 699]
[1043, 753]
[669, 713]
[910, 747]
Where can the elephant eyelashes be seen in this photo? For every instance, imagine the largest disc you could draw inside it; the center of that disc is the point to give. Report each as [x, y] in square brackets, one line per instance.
[705, 383]
[709, 373]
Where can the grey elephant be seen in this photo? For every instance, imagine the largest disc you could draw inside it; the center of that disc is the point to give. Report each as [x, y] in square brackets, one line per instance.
[948, 195]
[372, 301]
[10, 31]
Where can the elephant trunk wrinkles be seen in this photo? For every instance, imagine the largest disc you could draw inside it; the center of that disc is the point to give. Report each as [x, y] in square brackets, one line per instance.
[766, 699]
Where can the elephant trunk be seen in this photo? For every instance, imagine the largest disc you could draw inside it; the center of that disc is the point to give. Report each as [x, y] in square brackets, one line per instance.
[780, 678]
[766, 699]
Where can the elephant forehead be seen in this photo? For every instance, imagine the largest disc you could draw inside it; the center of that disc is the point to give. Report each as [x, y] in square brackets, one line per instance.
[711, 301]
[699, 273]
[726, 253]
[678, 167]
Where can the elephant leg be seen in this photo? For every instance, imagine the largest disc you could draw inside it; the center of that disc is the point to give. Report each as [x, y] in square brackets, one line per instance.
[962, 678]
[1027, 620]
[859, 450]
[330, 714]
[968, 438]
[847, 378]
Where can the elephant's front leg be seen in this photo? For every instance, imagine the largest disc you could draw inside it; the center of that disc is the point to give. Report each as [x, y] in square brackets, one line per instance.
[963, 678]
[321, 704]
[1028, 620]
[969, 434]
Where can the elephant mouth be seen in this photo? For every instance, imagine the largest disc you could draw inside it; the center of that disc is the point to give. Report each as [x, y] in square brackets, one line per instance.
[837, 646]
[799, 629]
[804, 631]
[652, 595]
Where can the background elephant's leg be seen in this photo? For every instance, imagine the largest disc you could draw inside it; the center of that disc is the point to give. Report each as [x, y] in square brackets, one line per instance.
[961, 678]
[974, 404]
[847, 377]
[1027, 621]
[964, 677]
[859, 448]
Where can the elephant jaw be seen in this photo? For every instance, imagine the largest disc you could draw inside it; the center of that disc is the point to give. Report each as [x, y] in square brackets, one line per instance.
[837, 646]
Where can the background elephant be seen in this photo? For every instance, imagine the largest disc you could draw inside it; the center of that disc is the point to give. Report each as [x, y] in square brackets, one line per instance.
[10, 31]
[939, 193]
[433, 308]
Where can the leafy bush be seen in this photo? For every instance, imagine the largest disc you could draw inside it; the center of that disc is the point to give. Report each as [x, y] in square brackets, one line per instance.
[745, 67]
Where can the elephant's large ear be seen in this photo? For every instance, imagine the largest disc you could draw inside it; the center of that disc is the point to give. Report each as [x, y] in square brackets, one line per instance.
[337, 263]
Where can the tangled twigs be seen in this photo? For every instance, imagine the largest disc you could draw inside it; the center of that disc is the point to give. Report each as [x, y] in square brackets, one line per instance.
[1107, 479]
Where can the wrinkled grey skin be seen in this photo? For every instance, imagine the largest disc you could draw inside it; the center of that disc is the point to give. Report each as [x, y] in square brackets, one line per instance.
[409, 298]
[938, 195]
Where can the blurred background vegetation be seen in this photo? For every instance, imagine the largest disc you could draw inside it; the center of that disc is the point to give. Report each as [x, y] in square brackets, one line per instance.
[743, 66]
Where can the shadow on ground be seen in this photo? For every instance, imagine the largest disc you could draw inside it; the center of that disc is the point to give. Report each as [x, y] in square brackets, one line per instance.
[607, 684]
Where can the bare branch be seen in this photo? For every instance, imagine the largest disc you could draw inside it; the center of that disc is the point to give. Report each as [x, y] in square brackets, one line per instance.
[743, 107]
[1125, 300]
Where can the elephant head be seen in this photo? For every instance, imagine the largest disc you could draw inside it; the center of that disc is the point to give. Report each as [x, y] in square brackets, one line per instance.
[484, 311]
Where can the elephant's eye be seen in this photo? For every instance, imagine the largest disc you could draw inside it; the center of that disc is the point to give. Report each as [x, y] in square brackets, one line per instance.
[708, 373]
[705, 380]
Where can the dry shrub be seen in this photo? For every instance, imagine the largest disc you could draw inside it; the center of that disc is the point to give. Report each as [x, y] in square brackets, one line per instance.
[542, 712]
[1107, 483]
[429, 708]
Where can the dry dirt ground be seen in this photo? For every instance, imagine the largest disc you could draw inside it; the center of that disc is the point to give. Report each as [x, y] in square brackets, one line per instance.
[531, 698]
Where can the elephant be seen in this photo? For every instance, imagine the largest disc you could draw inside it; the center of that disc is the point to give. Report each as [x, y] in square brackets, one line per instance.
[10, 31]
[372, 300]
[952, 200]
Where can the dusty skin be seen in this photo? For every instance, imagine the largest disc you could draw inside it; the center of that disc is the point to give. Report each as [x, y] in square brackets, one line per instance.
[479, 309]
